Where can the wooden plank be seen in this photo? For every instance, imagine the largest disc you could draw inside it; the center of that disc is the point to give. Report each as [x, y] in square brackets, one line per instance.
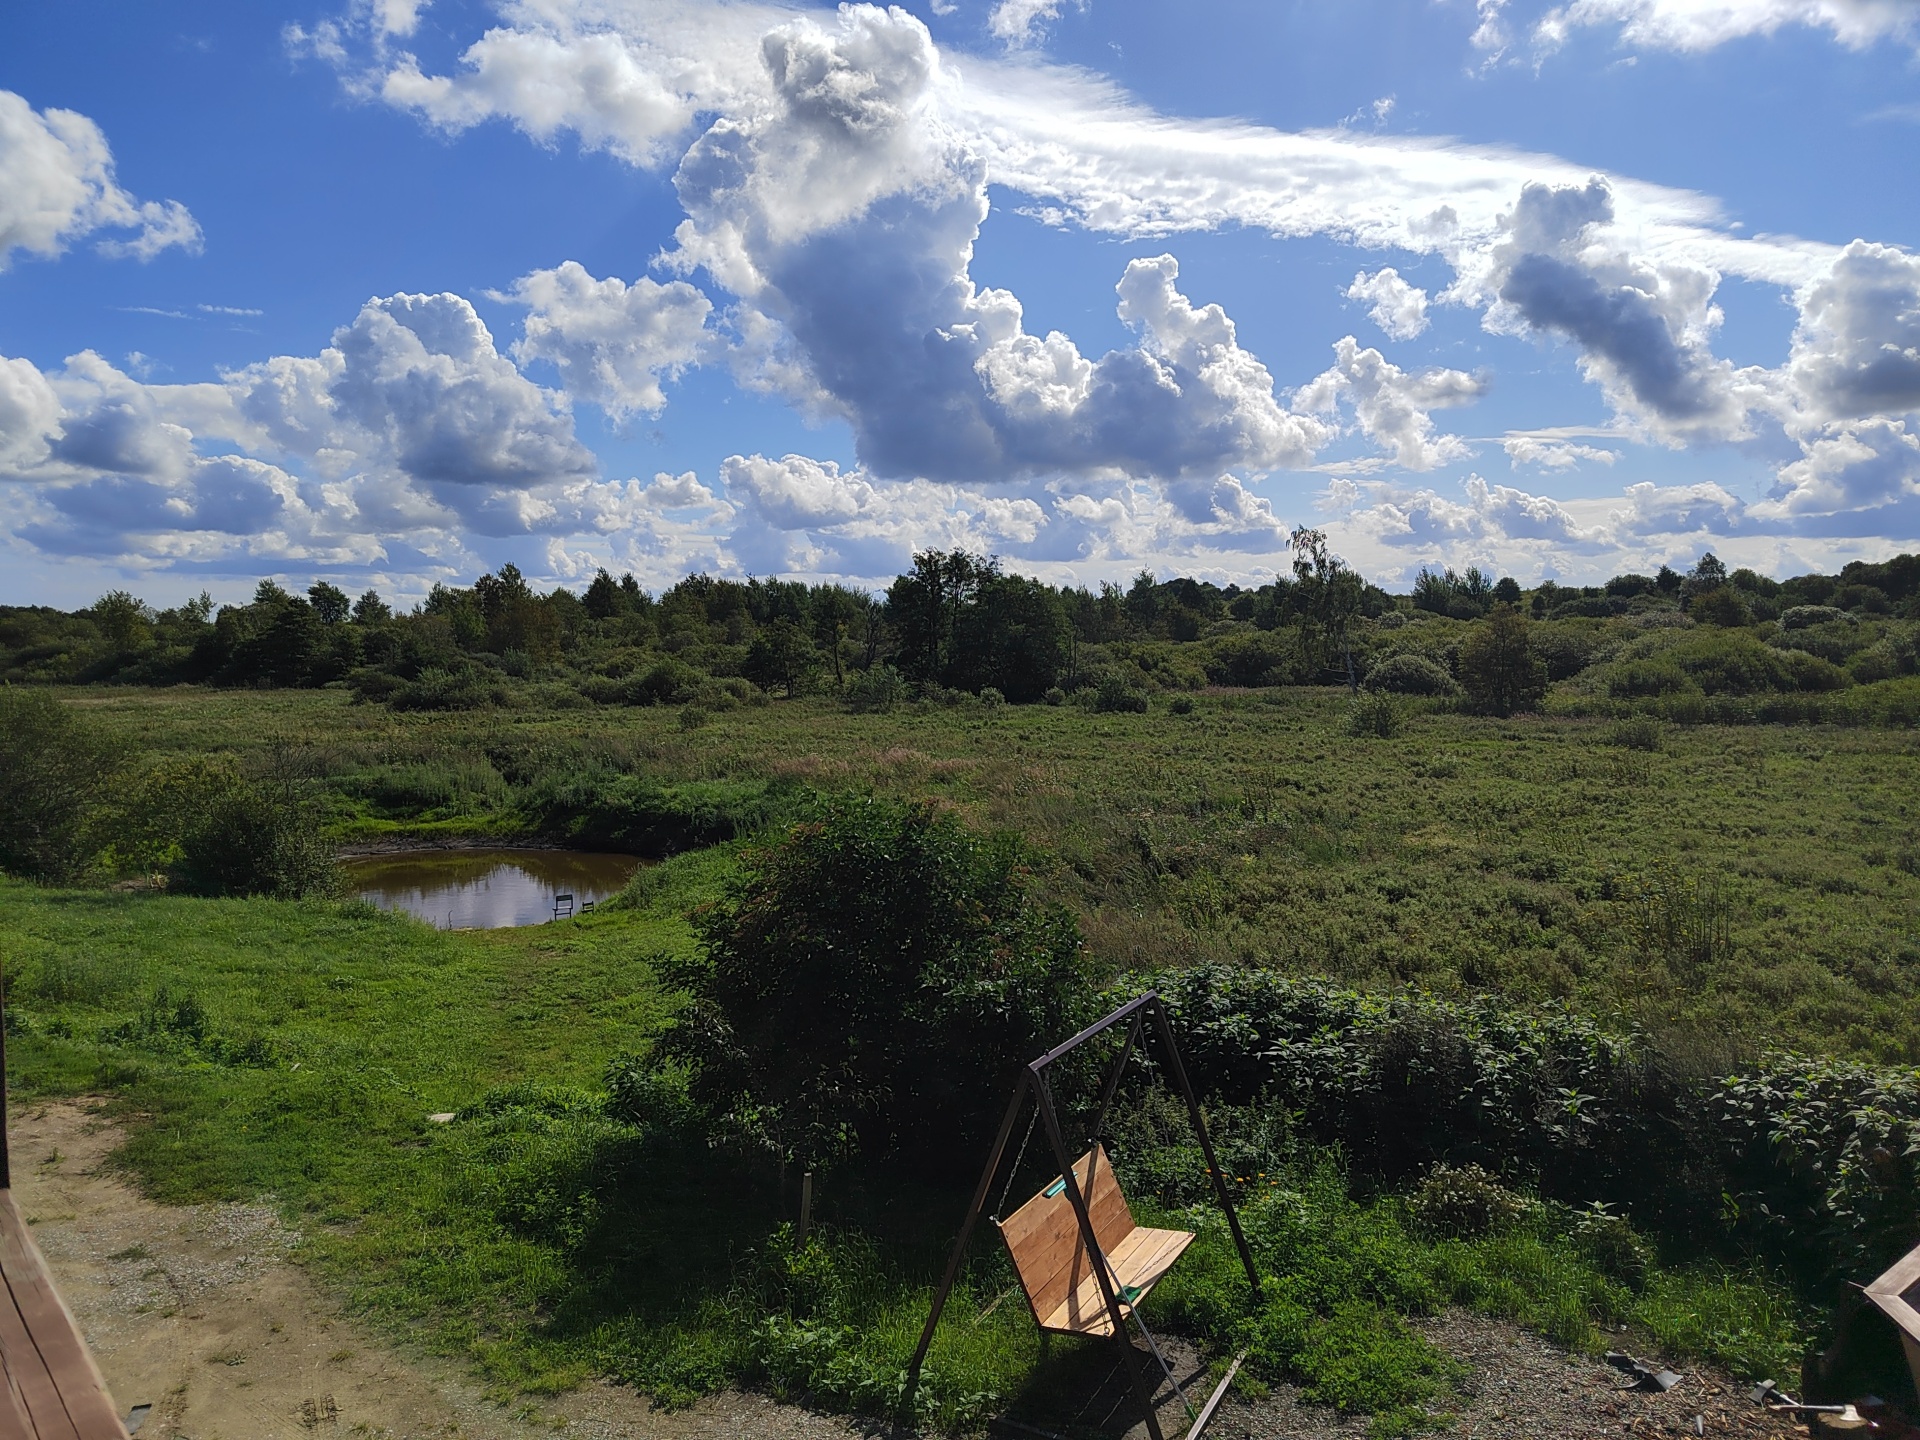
[1138, 1265]
[1213, 1400]
[1149, 1254]
[51, 1342]
[1043, 1236]
[28, 1378]
[14, 1424]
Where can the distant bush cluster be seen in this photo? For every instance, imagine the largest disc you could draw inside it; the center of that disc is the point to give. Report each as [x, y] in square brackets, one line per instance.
[71, 802]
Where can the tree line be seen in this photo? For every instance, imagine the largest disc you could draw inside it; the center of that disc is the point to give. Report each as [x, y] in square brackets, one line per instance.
[954, 622]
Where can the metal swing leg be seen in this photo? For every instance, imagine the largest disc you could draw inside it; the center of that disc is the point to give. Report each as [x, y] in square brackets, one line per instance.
[1165, 1368]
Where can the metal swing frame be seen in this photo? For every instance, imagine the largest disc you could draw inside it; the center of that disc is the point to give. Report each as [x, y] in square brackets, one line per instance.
[1136, 1014]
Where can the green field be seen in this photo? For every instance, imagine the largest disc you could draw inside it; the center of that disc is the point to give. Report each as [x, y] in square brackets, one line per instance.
[1731, 890]
[1534, 858]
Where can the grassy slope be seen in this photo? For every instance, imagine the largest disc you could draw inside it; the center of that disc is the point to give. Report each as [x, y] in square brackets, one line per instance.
[1464, 853]
[372, 1023]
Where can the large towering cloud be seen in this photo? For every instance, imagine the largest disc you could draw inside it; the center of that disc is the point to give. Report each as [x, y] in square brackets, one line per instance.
[57, 186]
[845, 212]
[1644, 329]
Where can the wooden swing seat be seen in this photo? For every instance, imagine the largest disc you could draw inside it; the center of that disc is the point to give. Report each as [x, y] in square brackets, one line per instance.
[1050, 1256]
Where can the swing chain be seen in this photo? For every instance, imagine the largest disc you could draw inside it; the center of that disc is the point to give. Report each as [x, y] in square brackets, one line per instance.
[1018, 1160]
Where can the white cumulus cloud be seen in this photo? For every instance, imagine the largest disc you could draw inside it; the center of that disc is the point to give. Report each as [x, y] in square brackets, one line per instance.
[1391, 405]
[1398, 308]
[611, 341]
[57, 186]
[1017, 21]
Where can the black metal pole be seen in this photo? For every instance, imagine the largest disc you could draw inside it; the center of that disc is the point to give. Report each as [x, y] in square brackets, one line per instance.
[1095, 1256]
[966, 1233]
[1175, 1064]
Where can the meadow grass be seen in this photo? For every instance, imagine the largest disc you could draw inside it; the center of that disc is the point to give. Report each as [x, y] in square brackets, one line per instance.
[1733, 888]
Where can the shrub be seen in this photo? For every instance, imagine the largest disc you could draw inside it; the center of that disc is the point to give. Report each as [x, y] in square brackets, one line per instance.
[1823, 1160]
[1835, 640]
[467, 688]
[1374, 713]
[596, 807]
[53, 769]
[872, 983]
[1722, 606]
[1498, 668]
[1115, 695]
[1463, 1202]
[991, 698]
[1253, 657]
[1610, 1243]
[1684, 920]
[1638, 732]
[1645, 679]
[876, 690]
[694, 717]
[1799, 617]
[257, 837]
[1410, 674]
[1883, 661]
[647, 1095]
[1180, 705]
[666, 682]
[1055, 696]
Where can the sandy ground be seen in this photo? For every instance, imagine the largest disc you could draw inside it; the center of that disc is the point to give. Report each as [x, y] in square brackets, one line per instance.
[200, 1313]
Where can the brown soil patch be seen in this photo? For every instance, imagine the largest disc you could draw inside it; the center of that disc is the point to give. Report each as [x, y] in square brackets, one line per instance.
[200, 1312]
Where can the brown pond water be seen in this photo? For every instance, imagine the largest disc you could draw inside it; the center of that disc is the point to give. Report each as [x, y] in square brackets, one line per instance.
[487, 889]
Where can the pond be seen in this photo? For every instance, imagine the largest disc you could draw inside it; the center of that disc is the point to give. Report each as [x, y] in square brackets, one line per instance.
[487, 889]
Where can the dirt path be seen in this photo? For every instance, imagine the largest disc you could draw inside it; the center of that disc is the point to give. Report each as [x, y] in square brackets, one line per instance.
[198, 1312]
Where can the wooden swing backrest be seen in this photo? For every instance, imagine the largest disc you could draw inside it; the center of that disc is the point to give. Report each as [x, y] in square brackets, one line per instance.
[1043, 1235]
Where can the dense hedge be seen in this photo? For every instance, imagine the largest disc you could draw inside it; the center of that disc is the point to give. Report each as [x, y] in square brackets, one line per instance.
[1812, 1162]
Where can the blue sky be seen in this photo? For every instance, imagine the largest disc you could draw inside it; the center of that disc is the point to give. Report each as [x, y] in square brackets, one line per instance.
[396, 292]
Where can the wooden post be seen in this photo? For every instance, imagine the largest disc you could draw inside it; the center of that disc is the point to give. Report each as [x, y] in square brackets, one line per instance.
[806, 1204]
[6, 1167]
[1174, 1063]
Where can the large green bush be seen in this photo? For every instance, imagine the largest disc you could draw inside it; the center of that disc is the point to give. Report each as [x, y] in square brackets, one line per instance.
[1498, 666]
[1409, 674]
[255, 837]
[871, 983]
[53, 770]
